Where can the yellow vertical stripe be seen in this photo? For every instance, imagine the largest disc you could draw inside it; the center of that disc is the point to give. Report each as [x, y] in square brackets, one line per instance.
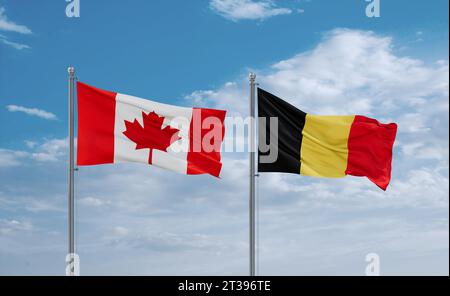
[324, 149]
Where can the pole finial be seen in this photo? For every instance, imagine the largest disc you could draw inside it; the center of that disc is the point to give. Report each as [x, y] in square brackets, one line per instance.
[71, 70]
[252, 76]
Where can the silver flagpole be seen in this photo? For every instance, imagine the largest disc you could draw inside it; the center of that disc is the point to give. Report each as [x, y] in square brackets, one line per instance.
[71, 203]
[252, 203]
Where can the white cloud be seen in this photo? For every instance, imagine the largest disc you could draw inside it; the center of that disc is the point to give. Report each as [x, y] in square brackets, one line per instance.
[161, 242]
[43, 205]
[432, 150]
[355, 72]
[236, 10]
[50, 150]
[10, 26]
[90, 201]
[30, 144]
[119, 232]
[15, 45]
[12, 226]
[349, 72]
[11, 158]
[413, 123]
[32, 111]
[419, 36]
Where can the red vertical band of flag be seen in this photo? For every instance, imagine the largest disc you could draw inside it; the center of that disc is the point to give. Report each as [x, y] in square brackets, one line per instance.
[96, 115]
[370, 150]
[200, 160]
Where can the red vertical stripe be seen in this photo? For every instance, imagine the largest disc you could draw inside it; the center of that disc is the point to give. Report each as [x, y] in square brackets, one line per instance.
[200, 160]
[370, 150]
[96, 115]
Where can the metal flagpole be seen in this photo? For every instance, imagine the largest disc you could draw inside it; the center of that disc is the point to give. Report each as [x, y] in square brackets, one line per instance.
[71, 203]
[252, 200]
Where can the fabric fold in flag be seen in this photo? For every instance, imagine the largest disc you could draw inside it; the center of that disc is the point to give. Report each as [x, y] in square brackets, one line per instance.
[327, 146]
[115, 128]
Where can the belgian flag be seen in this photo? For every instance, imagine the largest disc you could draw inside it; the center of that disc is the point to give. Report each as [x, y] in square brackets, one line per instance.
[326, 146]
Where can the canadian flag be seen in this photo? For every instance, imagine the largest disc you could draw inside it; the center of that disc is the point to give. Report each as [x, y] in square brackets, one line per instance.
[114, 128]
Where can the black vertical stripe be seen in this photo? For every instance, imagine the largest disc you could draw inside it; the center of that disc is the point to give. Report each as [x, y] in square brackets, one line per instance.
[290, 125]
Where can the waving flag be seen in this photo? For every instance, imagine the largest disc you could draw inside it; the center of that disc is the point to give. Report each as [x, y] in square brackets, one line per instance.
[114, 128]
[327, 146]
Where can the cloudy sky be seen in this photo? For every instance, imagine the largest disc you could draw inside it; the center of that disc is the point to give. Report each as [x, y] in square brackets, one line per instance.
[325, 58]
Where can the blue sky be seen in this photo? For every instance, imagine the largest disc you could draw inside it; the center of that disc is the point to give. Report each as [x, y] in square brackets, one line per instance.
[324, 56]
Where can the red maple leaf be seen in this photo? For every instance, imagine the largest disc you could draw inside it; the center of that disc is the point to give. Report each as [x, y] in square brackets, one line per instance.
[151, 135]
